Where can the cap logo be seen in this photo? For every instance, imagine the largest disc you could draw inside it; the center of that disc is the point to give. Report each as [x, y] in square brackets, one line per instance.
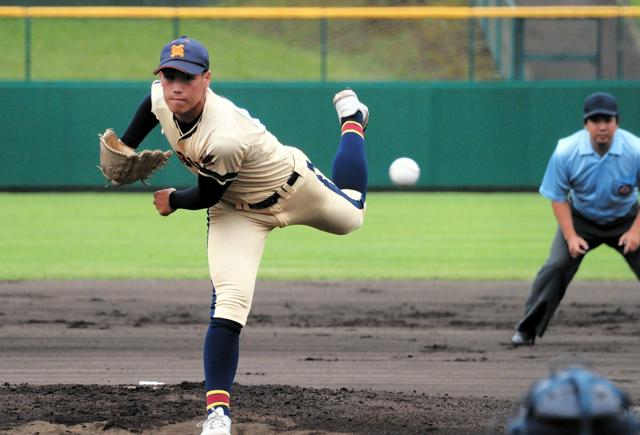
[177, 50]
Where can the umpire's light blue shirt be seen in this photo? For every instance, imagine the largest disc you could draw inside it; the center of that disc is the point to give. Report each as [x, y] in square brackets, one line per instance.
[600, 188]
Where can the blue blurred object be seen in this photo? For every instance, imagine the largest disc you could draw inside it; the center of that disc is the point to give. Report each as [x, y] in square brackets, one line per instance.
[575, 401]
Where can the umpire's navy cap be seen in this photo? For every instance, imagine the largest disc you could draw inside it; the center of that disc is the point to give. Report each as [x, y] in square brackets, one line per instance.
[184, 54]
[600, 103]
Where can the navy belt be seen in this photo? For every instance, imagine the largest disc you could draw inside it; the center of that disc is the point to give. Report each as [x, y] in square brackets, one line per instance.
[273, 199]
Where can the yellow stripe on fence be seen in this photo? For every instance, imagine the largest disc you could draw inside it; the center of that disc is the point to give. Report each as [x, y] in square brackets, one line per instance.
[309, 13]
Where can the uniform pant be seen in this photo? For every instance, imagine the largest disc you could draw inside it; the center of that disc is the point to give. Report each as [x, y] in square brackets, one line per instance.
[237, 234]
[552, 280]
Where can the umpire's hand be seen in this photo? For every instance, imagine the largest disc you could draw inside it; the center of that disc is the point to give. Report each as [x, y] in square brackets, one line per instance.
[577, 246]
[630, 240]
[161, 201]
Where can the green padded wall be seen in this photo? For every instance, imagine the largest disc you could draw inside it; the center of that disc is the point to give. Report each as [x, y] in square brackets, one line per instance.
[463, 135]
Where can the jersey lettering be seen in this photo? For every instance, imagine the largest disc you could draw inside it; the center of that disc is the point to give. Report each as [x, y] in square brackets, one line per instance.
[185, 160]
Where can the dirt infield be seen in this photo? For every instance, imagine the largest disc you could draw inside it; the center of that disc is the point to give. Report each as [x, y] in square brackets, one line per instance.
[316, 358]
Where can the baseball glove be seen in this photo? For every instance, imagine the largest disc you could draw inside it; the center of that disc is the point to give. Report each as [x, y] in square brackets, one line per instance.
[121, 165]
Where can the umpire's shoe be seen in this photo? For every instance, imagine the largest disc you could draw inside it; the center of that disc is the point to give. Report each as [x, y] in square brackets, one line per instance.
[347, 104]
[216, 424]
[523, 339]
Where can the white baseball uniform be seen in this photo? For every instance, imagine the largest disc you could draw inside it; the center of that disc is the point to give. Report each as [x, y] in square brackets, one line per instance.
[273, 186]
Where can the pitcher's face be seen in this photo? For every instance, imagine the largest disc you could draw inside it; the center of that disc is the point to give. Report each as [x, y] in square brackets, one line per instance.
[185, 94]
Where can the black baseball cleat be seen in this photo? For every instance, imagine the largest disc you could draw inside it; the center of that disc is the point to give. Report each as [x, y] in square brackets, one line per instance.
[523, 339]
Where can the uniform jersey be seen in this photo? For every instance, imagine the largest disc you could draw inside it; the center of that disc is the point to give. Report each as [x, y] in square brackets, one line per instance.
[601, 188]
[227, 144]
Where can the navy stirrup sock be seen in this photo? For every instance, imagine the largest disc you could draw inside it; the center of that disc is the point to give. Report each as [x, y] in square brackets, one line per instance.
[221, 354]
[350, 162]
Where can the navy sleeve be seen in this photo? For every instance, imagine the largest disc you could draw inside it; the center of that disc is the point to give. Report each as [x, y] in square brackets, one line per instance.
[204, 195]
[141, 125]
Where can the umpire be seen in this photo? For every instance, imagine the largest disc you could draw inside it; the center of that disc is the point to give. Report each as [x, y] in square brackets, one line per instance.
[592, 181]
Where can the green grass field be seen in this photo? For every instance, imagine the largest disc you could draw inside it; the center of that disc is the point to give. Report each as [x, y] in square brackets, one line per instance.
[447, 236]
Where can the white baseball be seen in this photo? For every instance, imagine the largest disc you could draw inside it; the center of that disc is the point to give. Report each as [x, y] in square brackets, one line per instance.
[404, 172]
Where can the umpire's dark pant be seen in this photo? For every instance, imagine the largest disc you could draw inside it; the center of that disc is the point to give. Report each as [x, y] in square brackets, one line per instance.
[554, 277]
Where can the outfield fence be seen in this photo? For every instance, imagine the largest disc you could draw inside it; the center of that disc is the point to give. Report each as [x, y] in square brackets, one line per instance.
[465, 136]
[496, 39]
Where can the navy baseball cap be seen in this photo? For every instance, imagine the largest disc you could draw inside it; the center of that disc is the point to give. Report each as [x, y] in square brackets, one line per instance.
[600, 103]
[184, 54]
